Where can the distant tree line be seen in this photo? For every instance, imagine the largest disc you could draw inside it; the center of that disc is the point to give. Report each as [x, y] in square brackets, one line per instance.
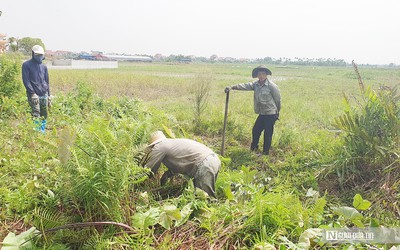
[266, 60]
[303, 61]
[25, 44]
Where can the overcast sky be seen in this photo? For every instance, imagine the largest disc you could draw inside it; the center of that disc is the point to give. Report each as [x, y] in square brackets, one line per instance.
[367, 31]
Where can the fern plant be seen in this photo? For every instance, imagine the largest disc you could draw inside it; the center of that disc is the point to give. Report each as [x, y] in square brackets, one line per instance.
[372, 132]
[99, 166]
[374, 129]
[45, 218]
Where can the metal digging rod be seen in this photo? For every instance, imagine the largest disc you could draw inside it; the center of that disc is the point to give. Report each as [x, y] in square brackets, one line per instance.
[225, 120]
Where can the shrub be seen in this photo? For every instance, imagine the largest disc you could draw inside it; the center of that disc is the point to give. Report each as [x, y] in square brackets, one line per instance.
[10, 82]
[201, 93]
[97, 168]
[277, 214]
[10, 85]
[372, 134]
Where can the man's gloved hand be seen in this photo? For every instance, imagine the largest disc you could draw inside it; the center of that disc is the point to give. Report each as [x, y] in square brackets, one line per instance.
[35, 99]
[276, 116]
[227, 89]
[165, 176]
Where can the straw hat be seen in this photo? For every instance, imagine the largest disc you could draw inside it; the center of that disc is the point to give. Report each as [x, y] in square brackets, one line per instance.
[156, 137]
[260, 68]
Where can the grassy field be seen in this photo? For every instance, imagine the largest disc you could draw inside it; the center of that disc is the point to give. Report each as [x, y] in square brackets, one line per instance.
[85, 168]
[311, 96]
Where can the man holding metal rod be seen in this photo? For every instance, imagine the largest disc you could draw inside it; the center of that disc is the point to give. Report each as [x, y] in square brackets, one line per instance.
[267, 104]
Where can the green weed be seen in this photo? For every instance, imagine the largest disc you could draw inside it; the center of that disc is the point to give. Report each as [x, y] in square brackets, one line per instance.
[86, 167]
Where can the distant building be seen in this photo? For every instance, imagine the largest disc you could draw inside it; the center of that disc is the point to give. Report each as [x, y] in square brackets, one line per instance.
[58, 54]
[82, 64]
[86, 57]
[184, 60]
[129, 58]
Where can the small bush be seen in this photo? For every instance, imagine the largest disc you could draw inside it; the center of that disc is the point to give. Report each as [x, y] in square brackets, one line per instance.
[10, 74]
[201, 93]
[98, 168]
[10, 85]
[372, 134]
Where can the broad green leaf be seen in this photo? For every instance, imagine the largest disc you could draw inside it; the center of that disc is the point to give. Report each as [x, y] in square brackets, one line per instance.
[21, 241]
[287, 244]
[10, 242]
[349, 213]
[264, 246]
[360, 204]
[144, 220]
[306, 237]
[165, 220]
[152, 217]
[138, 220]
[358, 223]
[172, 211]
[185, 214]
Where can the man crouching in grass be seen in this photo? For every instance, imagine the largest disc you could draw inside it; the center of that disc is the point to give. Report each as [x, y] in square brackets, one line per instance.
[184, 156]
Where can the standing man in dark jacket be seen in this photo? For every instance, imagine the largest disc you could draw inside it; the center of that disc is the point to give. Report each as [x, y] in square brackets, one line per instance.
[36, 80]
[267, 104]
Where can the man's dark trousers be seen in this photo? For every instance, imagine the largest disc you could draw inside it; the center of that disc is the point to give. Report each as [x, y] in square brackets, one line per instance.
[263, 123]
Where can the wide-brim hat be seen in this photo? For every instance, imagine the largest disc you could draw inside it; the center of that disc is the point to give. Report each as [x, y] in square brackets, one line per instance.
[156, 137]
[260, 68]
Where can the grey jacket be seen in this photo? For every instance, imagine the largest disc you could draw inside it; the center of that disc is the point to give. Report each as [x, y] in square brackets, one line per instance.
[181, 156]
[267, 97]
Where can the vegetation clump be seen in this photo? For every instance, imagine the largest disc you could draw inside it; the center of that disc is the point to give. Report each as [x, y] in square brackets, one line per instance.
[81, 185]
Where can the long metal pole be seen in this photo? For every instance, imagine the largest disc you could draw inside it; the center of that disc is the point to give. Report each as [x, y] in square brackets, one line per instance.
[225, 120]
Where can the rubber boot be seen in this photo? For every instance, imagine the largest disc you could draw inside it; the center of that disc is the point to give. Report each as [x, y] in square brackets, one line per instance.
[37, 125]
[43, 126]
